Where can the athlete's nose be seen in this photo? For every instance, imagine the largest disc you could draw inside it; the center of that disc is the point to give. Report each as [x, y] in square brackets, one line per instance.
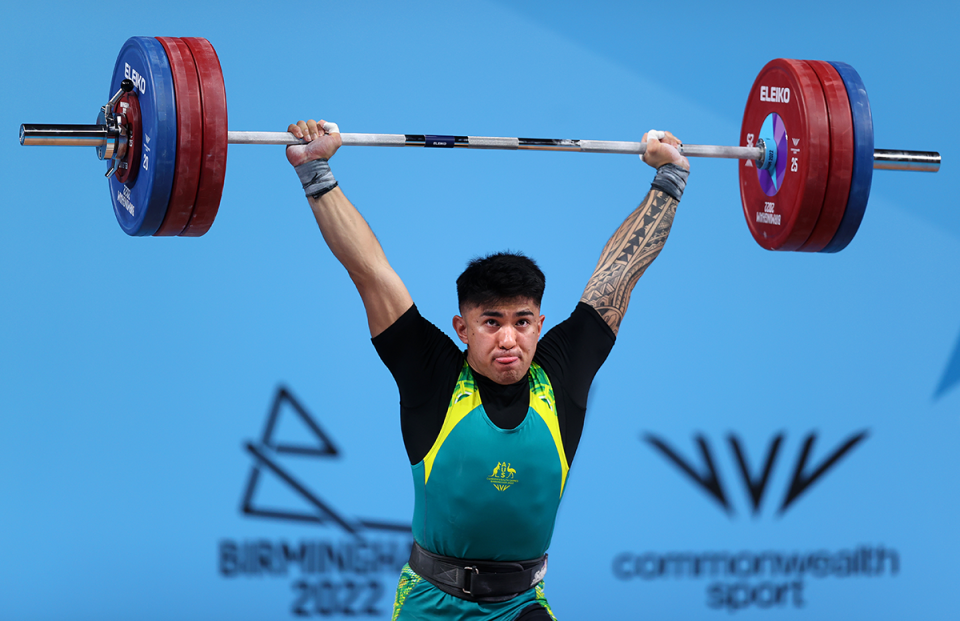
[508, 337]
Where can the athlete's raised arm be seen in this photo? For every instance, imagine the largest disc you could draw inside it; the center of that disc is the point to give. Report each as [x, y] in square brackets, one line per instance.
[642, 235]
[348, 235]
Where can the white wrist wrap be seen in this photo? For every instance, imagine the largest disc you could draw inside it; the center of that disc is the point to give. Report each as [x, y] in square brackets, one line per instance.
[316, 177]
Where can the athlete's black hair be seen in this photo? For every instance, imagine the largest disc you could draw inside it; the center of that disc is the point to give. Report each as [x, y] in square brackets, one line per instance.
[500, 276]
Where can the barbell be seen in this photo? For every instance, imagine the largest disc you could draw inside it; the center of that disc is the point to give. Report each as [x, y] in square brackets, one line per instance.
[806, 145]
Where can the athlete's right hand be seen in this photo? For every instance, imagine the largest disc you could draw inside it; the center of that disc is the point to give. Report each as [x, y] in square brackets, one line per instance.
[320, 142]
[663, 151]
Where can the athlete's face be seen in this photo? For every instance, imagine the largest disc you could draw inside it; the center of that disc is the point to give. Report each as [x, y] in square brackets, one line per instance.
[501, 337]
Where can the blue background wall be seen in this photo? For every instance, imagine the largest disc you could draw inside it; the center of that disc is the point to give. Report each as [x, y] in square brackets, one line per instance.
[133, 371]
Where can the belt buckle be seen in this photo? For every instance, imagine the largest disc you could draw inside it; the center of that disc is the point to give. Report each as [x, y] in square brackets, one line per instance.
[469, 569]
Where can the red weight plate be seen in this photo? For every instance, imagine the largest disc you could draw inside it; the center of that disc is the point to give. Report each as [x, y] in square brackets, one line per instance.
[213, 98]
[787, 103]
[841, 157]
[189, 137]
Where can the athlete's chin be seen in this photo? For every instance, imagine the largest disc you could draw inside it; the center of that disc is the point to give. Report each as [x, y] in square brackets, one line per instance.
[508, 374]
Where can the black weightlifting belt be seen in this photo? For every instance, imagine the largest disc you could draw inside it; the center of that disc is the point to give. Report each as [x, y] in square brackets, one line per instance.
[477, 581]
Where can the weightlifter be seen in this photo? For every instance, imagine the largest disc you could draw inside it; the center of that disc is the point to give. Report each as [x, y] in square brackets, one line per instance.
[491, 431]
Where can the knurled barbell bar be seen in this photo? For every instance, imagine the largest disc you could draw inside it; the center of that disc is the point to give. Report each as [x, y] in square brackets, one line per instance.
[807, 154]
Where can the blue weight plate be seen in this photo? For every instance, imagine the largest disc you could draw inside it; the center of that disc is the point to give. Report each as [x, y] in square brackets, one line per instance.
[862, 158]
[140, 205]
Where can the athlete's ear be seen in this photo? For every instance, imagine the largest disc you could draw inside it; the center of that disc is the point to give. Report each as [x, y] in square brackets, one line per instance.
[540, 322]
[460, 326]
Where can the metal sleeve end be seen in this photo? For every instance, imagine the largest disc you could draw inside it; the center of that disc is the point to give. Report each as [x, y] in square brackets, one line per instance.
[918, 161]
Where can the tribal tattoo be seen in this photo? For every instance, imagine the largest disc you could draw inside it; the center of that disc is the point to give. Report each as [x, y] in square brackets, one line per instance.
[627, 255]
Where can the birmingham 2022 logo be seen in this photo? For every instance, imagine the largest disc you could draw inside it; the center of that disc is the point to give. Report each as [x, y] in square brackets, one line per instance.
[350, 567]
[756, 579]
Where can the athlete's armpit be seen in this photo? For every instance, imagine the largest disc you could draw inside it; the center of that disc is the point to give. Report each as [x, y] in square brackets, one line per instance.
[626, 256]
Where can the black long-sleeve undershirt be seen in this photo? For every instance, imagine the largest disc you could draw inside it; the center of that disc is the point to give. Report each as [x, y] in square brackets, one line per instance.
[426, 363]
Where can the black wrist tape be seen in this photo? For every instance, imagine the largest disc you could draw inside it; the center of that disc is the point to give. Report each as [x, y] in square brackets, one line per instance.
[316, 177]
[671, 179]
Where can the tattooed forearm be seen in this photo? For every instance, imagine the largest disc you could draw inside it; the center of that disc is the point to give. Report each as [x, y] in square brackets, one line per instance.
[626, 256]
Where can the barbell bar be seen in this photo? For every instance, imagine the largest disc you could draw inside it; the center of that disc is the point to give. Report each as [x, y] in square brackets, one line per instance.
[806, 157]
[34, 135]
[884, 159]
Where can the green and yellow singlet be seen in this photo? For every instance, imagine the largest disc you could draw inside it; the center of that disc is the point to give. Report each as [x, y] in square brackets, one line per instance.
[488, 493]
[483, 492]
[488, 477]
